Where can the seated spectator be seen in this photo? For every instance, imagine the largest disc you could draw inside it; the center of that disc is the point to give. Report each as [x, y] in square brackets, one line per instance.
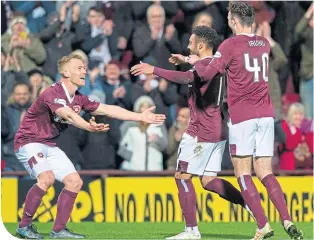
[142, 145]
[36, 79]
[304, 31]
[117, 90]
[19, 42]
[163, 93]
[156, 40]
[17, 106]
[294, 151]
[175, 135]
[100, 39]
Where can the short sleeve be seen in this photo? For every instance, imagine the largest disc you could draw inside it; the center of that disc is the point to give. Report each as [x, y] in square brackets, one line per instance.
[88, 104]
[223, 56]
[54, 103]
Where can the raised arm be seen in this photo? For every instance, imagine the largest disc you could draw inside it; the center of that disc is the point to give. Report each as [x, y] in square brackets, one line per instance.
[123, 114]
[173, 76]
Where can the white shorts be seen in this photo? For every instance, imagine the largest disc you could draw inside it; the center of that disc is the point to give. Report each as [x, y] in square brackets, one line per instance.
[252, 137]
[199, 158]
[38, 158]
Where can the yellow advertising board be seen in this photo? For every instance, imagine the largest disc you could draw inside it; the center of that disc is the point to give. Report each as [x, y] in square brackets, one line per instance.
[156, 200]
[151, 199]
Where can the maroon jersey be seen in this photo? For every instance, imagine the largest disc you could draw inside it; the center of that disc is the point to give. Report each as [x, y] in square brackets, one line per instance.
[245, 60]
[41, 125]
[204, 97]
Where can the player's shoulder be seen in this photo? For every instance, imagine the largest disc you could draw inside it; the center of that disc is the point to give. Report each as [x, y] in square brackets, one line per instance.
[54, 90]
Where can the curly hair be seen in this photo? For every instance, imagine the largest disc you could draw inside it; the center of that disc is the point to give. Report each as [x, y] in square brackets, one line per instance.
[207, 35]
[243, 11]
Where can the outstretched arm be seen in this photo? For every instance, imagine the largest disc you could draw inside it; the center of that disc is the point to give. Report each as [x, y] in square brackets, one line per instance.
[72, 117]
[123, 114]
[173, 76]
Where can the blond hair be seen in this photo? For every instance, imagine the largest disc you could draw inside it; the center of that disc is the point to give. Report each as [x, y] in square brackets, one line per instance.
[66, 59]
[294, 108]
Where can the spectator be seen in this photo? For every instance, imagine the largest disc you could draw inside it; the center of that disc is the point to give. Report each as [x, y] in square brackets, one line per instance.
[103, 157]
[117, 90]
[36, 12]
[277, 61]
[218, 10]
[58, 41]
[294, 151]
[142, 145]
[36, 79]
[100, 39]
[27, 48]
[155, 40]
[18, 105]
[10, 78]
[139, 9]
[163, 93]
[201, 19]
[304, 30]
[175, 135]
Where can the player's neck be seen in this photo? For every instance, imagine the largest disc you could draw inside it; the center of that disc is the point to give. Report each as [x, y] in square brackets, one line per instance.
[70, 87]
[205, 54]
[244, 31]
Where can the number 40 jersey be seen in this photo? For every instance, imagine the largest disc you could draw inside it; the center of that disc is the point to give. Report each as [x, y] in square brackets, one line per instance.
[245, 59]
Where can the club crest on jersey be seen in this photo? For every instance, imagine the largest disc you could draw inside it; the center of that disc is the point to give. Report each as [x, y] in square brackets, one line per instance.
[40, 155]
[77, 109]
[217, 55]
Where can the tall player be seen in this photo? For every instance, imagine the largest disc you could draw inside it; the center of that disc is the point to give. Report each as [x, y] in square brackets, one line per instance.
[202, 146]
[251, 125]
[48, 116]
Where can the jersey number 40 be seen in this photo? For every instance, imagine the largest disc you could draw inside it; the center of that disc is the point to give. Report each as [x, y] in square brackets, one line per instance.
[256, 69]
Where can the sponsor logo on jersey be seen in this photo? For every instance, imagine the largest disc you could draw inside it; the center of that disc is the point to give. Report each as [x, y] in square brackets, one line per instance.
[60, 101]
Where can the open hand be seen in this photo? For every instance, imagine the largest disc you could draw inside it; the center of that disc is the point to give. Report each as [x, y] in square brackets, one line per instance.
[142, 68]
[149, 117]
[97, 127]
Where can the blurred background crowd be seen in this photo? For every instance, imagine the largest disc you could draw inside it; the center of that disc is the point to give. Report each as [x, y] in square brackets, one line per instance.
[113, 36]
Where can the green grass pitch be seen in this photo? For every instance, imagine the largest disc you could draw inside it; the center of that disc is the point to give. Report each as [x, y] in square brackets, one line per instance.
[237, 230]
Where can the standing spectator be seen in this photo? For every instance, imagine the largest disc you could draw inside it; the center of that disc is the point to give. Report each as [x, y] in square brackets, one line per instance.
[277, 61]
[156, 40]
[58, 40]
[293, 152]
[175, 136]
[36, 12]
[18, 105]
[142, 145]
[100, 39]
[19, 42]
[304, 30]
[10, 78]
[218, 10]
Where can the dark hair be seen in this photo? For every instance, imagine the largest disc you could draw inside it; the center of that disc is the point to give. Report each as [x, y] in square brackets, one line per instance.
[207, 35]
[22, 84]
[96, 9]
[243, 11]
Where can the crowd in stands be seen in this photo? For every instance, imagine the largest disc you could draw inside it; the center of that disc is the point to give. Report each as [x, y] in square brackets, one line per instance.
[112, 36]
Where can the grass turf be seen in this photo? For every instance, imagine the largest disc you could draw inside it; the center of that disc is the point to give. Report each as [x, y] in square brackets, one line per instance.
[162, 230]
